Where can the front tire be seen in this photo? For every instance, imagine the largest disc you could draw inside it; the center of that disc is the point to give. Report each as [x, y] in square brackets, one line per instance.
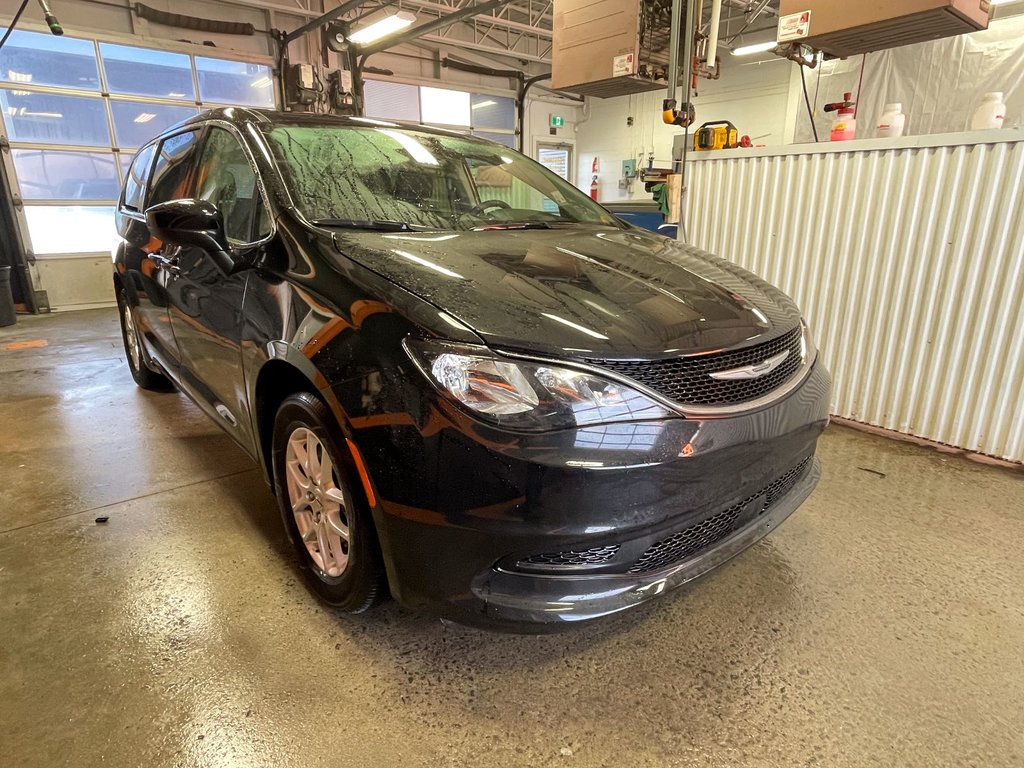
[135, 353]
[323, 506]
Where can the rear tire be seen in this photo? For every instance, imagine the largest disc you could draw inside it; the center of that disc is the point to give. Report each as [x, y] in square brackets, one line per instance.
[323, 506]
[134, 351]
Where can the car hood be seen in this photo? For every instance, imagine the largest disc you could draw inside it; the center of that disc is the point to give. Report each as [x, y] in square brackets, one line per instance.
[580, 292]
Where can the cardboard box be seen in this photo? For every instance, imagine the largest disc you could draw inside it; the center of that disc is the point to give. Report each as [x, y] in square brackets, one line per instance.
[596, 48]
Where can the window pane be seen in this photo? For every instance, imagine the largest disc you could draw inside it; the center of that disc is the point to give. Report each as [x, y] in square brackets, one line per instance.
[494, 112]
[71, 229]
[508, 139]
[228, 181]
[135, 122]
[391, 101]
[146, 72]
[126, 161]
[172, 173]
[439, 105]
[46, 174]
[49, 118]
[137, 176]
[235, 82]
[36, 59]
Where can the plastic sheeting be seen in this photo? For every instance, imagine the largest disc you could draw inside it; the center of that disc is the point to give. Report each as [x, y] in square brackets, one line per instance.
[939, 84]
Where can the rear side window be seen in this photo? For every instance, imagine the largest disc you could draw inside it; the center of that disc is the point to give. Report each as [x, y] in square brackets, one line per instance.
[138, 175]
[173, 171]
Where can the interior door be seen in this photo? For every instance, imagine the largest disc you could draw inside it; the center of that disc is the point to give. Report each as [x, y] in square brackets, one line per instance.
[557, 158]
[205, 303]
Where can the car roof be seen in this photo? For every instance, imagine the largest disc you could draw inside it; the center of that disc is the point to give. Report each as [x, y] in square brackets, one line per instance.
[269, 118]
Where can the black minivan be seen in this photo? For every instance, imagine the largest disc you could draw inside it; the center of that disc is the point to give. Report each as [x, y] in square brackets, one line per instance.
[465, 381]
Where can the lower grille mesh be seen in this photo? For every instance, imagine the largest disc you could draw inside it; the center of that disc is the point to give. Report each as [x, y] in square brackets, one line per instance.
[574, 557]
[698, 537]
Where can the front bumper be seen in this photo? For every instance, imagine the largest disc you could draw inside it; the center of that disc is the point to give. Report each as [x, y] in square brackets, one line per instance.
[513, 598]
[461, 507]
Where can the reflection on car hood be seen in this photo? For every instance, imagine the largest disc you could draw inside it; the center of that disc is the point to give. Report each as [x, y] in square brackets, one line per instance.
[579, 292]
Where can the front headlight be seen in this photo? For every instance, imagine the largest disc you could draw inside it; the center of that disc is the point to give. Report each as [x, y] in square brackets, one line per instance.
[528, 395]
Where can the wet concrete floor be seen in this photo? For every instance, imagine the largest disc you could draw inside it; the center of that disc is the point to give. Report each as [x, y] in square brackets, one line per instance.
[882, 625]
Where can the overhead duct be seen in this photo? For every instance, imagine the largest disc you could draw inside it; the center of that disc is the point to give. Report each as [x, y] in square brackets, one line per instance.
[843, 29]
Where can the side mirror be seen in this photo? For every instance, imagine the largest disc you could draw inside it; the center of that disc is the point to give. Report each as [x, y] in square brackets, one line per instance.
[195, 223]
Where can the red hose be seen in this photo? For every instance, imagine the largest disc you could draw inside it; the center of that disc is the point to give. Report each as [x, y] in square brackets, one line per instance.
[856, 106]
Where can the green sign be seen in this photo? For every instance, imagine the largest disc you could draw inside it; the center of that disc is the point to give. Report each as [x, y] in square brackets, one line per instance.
[557, 121]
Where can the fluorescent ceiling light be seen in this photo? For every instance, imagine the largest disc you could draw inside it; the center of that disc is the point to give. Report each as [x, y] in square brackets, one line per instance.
[747, 50]
[144, 117]
[488, 103]
[382, 27]
[263, 82]
[418, 152]
[371, 121]
[429, 265]
[18, 77]
[571, 324]
[48, 115]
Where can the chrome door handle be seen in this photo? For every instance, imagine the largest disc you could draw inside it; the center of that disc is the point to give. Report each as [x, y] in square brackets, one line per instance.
[170, 264]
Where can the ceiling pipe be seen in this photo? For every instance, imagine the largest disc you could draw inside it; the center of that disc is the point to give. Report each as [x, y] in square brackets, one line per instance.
[524, 89]
[672, 74]
[326, 18]
[430, 26]
[716, 23]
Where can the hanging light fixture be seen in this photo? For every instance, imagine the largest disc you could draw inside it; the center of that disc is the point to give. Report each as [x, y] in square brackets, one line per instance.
[382, 26]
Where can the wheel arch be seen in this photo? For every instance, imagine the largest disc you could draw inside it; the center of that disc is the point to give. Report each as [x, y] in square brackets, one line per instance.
[277, 379]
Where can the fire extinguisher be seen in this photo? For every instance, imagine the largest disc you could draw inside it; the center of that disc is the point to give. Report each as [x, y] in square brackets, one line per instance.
[593, 189]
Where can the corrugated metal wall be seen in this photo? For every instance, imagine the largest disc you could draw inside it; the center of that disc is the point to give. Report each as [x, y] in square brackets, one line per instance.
[909, 264]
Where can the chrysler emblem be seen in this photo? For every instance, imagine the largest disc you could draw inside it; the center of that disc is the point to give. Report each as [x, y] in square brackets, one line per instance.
[755, 371]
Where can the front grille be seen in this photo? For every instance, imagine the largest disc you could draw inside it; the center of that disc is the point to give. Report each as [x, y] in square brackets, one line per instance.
[686, 380]
[690, 541]
[574, 557]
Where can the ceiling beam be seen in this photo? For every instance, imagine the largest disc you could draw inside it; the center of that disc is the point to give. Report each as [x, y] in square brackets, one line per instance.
[488, 49]
[497, 21]
[431, 26]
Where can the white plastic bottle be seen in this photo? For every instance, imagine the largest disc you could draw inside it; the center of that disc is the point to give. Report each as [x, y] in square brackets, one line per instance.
[892, 122]
[990, 114]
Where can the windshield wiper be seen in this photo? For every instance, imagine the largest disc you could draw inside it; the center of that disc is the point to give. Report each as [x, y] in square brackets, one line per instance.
[513, 225]
[379, 225]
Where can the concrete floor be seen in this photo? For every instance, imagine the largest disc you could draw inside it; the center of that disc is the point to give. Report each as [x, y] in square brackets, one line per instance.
[883, 625]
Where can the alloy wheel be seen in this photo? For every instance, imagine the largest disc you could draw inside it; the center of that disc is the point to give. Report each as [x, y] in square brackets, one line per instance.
[131, 336]
[318, 502]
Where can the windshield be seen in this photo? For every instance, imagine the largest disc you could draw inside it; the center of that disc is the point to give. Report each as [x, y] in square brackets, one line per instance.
[391, 177]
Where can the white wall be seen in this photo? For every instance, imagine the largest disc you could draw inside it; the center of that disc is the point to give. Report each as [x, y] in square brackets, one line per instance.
[752, 95]
[538, 125]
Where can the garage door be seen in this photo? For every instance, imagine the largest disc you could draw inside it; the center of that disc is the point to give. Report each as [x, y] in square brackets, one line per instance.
[75, 111]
